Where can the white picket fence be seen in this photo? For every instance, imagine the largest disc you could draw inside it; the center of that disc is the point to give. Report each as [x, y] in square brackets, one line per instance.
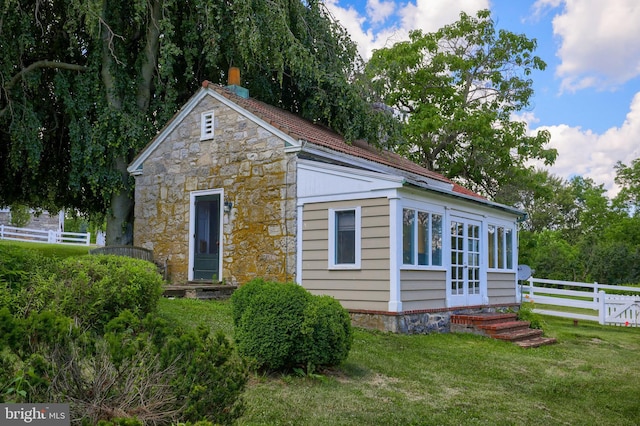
[43, 236]
[610, 309]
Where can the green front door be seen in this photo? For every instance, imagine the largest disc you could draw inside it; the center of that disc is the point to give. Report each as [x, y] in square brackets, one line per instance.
[206, 256]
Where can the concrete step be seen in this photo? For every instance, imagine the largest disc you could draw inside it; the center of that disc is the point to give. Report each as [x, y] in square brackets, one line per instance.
[203, 291]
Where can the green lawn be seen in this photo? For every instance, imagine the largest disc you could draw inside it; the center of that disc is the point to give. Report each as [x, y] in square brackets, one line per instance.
[52, 250]
[589, 378]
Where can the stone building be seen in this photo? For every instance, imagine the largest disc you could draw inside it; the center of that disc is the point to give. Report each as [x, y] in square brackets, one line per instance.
[39, 220]
[232, 189]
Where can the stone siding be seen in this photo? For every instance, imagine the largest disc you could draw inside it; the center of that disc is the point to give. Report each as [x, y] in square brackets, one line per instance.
[43, 221]
[250, 165]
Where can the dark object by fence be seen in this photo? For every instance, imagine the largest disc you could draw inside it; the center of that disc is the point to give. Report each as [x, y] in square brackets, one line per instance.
[133, 252]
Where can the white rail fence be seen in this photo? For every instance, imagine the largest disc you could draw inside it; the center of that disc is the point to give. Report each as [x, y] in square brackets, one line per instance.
[610, 309]
[36, 235]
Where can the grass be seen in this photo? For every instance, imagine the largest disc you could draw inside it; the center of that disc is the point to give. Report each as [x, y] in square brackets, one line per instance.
[589, 378]
[52, 250]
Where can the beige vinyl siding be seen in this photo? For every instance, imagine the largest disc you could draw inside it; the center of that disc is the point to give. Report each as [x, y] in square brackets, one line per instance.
[366, 288]
[423, 289]
[501, 287]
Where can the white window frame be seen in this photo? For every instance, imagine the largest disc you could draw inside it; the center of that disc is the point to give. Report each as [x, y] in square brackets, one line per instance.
[332, 239]
[415, 264]
[207, 125]
[505, 254]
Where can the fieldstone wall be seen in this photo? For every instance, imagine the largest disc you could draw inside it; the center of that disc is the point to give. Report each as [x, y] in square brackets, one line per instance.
[418, 322]
[250, 165]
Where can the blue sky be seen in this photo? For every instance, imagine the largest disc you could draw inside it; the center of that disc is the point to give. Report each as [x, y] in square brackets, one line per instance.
[589, 95]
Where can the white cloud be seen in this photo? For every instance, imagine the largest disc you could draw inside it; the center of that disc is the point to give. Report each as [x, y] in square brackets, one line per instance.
[599, 42]
[584, 153]
[428, 15]
[379, 10]
[541, 7]
[431, 15]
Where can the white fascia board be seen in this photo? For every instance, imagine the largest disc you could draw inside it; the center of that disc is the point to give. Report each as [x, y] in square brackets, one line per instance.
[394, 180]
[329, 182]
[375, 167]
[135, 168]
[385, 193]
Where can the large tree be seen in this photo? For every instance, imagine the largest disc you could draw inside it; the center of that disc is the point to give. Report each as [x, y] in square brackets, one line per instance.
[628, 177]
[84, 85]
[456, 91]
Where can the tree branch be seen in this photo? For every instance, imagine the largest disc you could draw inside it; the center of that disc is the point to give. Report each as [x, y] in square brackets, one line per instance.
[151, 56]
[43, 64]
[34, 66]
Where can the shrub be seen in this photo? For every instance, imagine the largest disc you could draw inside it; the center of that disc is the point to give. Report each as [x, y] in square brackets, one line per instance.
[327, 332]
[269, 328]
[142, 369]
[95, 289]
[525, 313]
[241, 298]
[283, 326]
[19, 268]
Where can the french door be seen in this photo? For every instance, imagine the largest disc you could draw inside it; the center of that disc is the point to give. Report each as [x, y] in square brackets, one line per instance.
[465, 285]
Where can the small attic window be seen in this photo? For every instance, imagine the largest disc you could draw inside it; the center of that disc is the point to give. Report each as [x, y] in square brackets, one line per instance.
[206, 125]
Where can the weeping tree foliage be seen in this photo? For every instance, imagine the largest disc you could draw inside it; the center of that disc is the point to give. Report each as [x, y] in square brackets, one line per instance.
[456, 91]
[84, 85]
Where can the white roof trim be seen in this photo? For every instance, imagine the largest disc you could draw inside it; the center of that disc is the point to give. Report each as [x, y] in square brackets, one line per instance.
[397, 181]
[135, 168]
[418, 181]
[374, 166]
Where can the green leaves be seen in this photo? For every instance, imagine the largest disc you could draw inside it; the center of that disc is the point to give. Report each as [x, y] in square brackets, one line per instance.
[458, 89]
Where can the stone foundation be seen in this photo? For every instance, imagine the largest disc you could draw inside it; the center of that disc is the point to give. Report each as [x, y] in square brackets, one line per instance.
[419, 322]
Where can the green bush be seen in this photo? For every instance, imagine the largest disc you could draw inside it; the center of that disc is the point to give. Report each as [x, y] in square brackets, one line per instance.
[327, 332]
[269, 328]
[241, 298]
[525, 313]
[19, 269]
[95, 289]
[283, 326]
[141, 368]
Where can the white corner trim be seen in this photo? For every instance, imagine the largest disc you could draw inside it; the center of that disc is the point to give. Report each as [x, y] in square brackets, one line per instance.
[299, 241]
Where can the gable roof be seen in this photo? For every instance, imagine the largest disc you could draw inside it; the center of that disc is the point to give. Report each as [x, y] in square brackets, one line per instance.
[304, 130]
[298, 132]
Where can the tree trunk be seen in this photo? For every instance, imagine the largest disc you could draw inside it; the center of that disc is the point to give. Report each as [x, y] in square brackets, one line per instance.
[120, 215]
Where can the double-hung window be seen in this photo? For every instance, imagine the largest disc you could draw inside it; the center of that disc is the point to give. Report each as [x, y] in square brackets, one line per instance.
[500, 241]
[344, 238]
[421, 238]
